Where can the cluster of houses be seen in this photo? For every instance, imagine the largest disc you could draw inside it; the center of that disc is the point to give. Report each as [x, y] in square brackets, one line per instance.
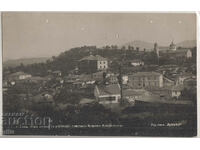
[164, 84]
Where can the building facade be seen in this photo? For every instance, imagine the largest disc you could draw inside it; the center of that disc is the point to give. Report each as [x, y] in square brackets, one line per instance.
[172, 51]
[107, 94]
[19, 76]
[172, 46]
[137, 62]
[145, 80]
[91, 64]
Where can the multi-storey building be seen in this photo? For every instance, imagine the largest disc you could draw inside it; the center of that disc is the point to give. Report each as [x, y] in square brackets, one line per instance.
[92, 64]
[145, 80]
[172, 51]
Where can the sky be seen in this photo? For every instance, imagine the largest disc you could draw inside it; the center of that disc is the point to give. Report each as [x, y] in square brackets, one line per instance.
[46, 34]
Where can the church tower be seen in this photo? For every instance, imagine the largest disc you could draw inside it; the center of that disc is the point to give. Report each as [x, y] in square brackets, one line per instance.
[172, 46]
[156, 49]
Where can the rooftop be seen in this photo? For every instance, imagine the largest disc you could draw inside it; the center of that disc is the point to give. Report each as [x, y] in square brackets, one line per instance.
[136, 60]
[136, 92]
[18, 74]
[57, 71]
[146, 74]
[111, 89]
[177, 88]
[182, 50]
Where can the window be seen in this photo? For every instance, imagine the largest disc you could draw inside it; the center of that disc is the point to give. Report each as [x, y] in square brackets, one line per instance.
[111, 98]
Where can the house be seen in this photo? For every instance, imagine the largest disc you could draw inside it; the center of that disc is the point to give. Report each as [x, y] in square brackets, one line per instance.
[18, 76]
[190, 83]
[182, 77]
[98, 76]
[43, 98]
[145, 80]
[168, 82]
[36, 79]
[86, 101]
[184, 53]
[91, 64]
[176, 91]
[172, 46]
[48, 77]
[135, 94]
[107, 94]
[79, 81]
[137, 62]
[86, 79]
[57, 73]
[112, 78]
[125, 79]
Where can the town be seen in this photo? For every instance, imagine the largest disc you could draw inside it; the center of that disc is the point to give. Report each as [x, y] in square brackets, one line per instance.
[111, 78]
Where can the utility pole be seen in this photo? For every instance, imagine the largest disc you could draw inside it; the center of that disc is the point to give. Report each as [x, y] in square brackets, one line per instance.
[120, 77]
[121, 82]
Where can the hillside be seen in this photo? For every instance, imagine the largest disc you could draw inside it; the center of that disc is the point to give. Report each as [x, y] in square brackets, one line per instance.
[67, 61]
[140, 44]
[25, 61]
[149, 46]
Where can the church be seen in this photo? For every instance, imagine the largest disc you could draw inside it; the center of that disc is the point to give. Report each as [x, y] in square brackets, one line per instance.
[173, 51]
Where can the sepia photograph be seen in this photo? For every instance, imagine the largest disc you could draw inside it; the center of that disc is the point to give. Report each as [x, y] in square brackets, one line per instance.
[130, 74]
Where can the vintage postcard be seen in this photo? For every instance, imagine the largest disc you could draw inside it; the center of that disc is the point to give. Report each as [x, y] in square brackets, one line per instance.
[99, 74]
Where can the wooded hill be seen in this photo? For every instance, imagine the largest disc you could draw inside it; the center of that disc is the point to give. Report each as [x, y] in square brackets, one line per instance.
[68, 60]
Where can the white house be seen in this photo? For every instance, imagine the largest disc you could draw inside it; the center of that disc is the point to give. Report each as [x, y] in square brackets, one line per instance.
[125, 79]
[19, 76]
[180, 78]
[137, 62]
[135, 94]
[107, 94]
[176, 91]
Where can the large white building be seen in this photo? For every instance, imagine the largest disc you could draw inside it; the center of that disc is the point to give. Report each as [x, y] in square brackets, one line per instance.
[173, 51]
[145, 80]
[93, 63]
